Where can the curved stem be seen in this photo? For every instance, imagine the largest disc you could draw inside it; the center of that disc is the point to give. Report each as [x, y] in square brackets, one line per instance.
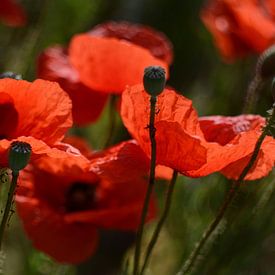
[187, 267]
[112, 121]
[252, 94]
[161, 221]
[152, 132]
[8, 206]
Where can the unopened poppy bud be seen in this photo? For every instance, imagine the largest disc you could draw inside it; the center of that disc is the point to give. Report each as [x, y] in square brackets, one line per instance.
[11, 75]
[266, 63]
[19, 155]
[154, 80]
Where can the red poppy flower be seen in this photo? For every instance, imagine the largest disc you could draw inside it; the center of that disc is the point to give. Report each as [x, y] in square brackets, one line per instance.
[54, 65]
[108, 64]
[178, 144]
[12, 14]
[63, 203]
[38, 113]
[240, 27]
[191, 146]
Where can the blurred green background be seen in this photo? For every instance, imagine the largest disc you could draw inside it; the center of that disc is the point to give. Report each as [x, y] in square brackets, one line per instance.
[247, 245]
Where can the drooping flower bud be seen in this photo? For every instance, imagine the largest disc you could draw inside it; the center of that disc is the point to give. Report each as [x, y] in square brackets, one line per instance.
[19, 155]
[266, 63]
[11, 75]
[154, 80]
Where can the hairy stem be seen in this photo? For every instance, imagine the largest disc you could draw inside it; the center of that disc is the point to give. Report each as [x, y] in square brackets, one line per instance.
[152, 132]
[8, 206]
[252, 94]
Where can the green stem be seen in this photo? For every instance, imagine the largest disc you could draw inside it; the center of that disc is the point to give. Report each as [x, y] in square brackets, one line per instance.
[8, 206]
[252, 94]
[152, 132]
[187, 267]
[112, 121]
[161, 221]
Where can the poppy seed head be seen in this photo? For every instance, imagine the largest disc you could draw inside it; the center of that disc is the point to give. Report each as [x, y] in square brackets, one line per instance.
[19, 155]
[154, 80]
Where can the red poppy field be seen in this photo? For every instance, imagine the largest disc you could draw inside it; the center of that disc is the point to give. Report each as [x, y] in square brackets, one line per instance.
[137, 137]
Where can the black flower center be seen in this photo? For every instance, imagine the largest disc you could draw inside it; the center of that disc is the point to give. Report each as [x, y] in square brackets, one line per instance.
[81, 196]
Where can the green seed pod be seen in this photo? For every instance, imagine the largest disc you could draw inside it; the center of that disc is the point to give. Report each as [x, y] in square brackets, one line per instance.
[154, 80]
[19, 155]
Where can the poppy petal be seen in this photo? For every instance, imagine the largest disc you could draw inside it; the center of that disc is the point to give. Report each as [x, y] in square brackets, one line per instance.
[39, 150]
[177, 128]
[109, 64]
[231, 140]
[123, 170]
[222, 129]
[240, 27]
[263, 165]
[53, 64]
[156, 42]
[44, 109]
[65, 242]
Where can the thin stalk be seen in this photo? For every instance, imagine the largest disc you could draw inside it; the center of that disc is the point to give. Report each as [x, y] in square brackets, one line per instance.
[252, 94]
[112, 121]
[161, 221]
[152, 132]
[187, 267]
[8, 206]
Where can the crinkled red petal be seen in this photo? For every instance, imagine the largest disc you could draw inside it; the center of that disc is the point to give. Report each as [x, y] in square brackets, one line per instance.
[262, 167]
[231, 141]
[44, 109]
[39, 150]
[177, 128]
[222, 129]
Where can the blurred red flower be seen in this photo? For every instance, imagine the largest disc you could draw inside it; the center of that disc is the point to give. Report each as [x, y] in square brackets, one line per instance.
[108, 64]
[63, 203]
[12, 14]
[192, 147]
[88, 100]
[240, 27]
[146, 37]
[54, 65]
[38, 113]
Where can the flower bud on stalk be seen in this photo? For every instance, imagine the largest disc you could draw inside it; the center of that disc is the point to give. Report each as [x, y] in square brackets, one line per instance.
[154, 83]
[154, 80]
[266, 64]
[19, 155]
